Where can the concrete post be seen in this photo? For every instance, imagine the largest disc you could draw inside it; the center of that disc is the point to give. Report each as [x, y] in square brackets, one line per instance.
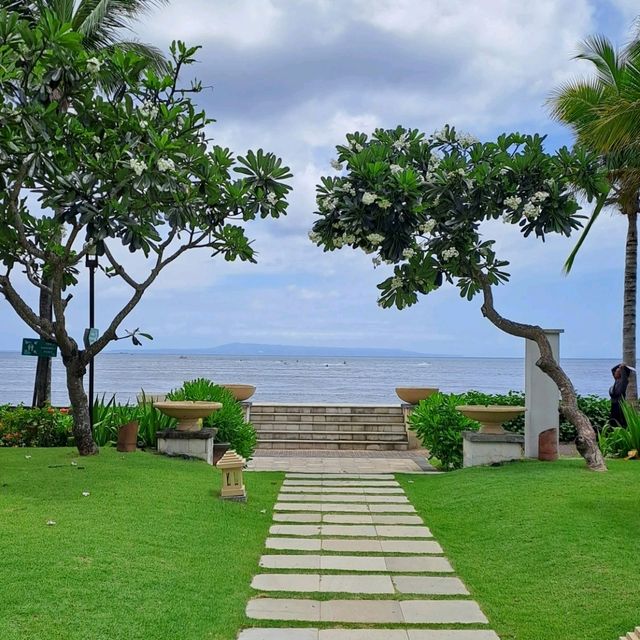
[541, 394]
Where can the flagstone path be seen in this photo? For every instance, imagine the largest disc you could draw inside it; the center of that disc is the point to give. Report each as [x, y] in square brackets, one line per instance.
[349, 549]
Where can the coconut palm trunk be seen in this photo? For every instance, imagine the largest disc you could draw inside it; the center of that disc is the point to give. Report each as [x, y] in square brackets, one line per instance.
[630, 299]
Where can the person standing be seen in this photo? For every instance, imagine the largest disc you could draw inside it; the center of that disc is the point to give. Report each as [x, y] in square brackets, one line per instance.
[618, 392]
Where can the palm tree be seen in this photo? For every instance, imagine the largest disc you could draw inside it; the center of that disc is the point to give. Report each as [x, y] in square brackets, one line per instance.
[101, 23]
[598, 110]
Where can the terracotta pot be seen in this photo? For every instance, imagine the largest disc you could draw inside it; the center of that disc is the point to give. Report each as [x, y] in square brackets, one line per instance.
[548, 445]
[219, 449]
[127, 437]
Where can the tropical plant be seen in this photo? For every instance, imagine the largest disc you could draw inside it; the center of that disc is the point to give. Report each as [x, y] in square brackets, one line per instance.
[439, 426]
[623, 442]
[108, 417]
[228, 420]
[134, 171]
[150, 421]
[34, 427]
[603, 112]
[418, 202]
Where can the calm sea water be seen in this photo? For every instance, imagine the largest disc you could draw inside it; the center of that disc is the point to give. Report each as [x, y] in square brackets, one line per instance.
[357, 380]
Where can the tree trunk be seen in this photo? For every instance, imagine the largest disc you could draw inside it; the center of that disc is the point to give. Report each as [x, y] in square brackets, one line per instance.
[42, 384]
[586, 441]
[629, 306]
[80, 407]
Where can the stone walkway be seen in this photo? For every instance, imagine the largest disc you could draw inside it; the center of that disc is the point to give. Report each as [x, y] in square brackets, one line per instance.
[350, 550]
[320, 461]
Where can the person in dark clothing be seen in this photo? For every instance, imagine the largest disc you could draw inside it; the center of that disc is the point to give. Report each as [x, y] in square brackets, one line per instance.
[618, 392]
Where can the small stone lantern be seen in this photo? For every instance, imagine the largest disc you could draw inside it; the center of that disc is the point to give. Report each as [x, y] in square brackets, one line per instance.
[231, 465]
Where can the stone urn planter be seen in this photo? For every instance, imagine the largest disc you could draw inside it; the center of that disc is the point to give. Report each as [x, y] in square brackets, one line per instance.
[413, 395]
[491, 417]
[187, 412]
[240, 392]
[127, 437]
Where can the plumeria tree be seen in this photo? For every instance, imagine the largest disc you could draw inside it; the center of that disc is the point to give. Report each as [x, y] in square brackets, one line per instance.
[84, 172]
[418, 203]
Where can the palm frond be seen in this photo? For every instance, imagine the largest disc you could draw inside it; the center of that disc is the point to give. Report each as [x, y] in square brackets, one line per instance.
[583, 236]
[62, 8]
[609, 65]
[152, 55]
[574, 103]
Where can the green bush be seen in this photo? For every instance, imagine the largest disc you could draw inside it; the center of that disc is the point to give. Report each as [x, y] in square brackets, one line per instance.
[26, 427]
[228, 420]
[621, 442]
[439, 425]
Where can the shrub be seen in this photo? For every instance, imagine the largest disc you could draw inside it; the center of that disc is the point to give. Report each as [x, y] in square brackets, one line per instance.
[622, 442]
[439, 425]
[108, 417]
[228, 420]
[26, 427]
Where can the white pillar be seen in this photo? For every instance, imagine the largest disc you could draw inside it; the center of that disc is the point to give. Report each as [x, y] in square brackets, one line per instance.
[541, 394]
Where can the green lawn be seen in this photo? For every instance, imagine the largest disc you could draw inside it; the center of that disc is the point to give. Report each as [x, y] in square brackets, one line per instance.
[152, 553]
[549, 550]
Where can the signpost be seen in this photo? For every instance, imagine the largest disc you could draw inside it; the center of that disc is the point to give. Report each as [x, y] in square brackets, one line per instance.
[39, 347]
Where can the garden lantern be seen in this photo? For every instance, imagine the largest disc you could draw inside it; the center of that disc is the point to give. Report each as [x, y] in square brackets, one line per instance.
[231, 465]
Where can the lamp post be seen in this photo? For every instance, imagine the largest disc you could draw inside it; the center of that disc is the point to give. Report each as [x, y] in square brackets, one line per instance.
[91, 261]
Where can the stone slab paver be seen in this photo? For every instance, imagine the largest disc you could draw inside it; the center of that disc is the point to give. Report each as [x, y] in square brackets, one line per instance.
[366, 634]
[364, 611]
[440, 612]
[341, 476]
[418, 564]
[349, 530]
[297, 517]
[297, 561]
[295, 530]
[352, 490]
[300, 582]
[294, 544]
[351, 546]
[401, 531]
[340, 483]
[410, 546]
[352, 563]
[283, 609]
[430, 585]
[319, 497]
[329, 507]
[349, 583]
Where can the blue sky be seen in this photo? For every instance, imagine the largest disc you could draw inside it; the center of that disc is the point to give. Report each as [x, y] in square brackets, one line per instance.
[293, 76]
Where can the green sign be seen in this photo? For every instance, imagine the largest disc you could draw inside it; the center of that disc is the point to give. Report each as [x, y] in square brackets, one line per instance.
[91, 336]
[39, 347]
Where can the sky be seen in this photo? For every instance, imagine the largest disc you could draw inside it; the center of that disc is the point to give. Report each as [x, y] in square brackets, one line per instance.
[293, 77]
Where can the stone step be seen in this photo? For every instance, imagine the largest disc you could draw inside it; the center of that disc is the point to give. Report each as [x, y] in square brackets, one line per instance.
[362, 564]
[338, 425]
[270, 443]
[333, 436]
[325, 409]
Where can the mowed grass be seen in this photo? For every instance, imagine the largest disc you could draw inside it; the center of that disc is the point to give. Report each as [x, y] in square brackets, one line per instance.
[151, 553]
[549, 550]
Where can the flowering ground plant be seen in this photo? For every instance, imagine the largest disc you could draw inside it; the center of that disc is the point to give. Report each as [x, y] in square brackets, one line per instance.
[30, 427]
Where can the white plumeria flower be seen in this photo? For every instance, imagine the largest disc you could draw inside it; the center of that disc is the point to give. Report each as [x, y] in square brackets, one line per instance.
[383, 203]
[74, 463]
[336, 165]
[396, 282]
[272, 198]
[428, 226]
[358, 146]
[86, 494]
[314, 237]
[51, 523]
[368, 198]
[408, 253]
[447, 254]
[375, 238]
[166, 164]
[93, 65]
[531, 211]
[96, 139]
[513, 202]
[138, 166]
[539, 196]
[395, 168]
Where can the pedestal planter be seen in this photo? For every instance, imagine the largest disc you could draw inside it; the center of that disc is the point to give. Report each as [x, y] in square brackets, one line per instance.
[127, 437]
[413, 395]
[188, 413]
[188, 444]
[490, 448]
[240, 391]
[491, 417]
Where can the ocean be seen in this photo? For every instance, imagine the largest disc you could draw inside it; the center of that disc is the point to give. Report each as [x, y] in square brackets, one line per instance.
[290, 379]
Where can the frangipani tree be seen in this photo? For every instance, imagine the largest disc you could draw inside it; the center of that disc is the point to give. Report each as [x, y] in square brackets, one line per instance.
[418, 202]
[134, 169]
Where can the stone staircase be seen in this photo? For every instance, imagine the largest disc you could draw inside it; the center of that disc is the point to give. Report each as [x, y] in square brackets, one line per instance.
[632, 635]
[329, 426]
